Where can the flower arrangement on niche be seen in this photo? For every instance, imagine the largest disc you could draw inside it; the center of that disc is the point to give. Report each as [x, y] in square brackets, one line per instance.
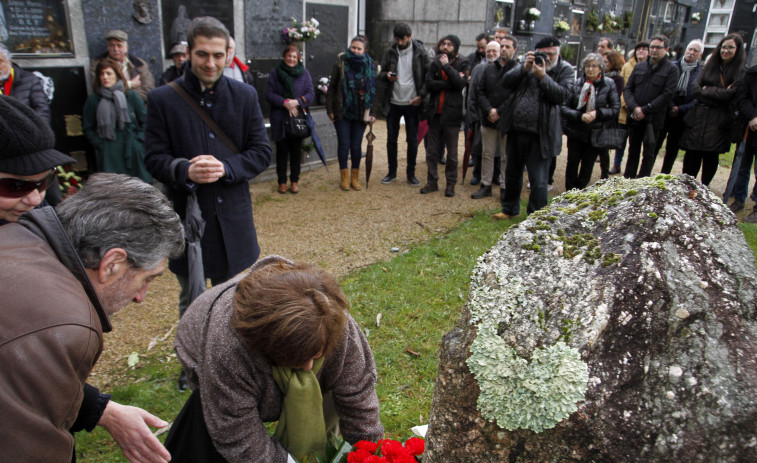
[533, 14]
[561, 26]
[610, 22]
[301, 31]
[696, 17]
[592, 22]
[323, 84]
[68, 181]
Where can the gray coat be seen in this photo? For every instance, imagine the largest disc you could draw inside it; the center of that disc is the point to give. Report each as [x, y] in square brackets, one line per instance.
[555, 89]
[237, 388]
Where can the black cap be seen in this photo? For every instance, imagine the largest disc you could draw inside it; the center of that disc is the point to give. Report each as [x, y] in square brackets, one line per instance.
[454, 39]
[548, 41]
[641, 45]
[26, 141]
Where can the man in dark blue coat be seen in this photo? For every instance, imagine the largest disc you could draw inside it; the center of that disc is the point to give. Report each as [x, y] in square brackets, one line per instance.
[189, 157]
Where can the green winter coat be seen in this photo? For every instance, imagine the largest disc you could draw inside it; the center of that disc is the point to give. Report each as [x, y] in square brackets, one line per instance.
[125, 154]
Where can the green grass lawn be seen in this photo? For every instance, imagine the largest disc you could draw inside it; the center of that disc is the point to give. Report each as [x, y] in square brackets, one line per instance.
[419, 295]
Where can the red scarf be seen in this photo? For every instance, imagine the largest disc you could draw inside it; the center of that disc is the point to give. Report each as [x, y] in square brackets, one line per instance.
[441, 95]
[6, 88]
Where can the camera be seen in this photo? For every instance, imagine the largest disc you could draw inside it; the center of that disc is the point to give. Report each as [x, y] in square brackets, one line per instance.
[540, 58]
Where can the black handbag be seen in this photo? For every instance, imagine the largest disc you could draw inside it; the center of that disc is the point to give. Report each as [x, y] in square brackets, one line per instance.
[297, 126]
[609, 137]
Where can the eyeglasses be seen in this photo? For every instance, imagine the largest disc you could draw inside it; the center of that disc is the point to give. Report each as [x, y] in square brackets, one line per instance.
[17, 188]
[591, 66]
[728, 47]
[655, 47]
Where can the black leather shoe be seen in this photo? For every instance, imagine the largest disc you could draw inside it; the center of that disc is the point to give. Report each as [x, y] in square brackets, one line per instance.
[429, 188]
[388, 179]
[413, 181]
[450, 190]
[483, 192]
[471, 162]
[182, 384]
[443, 160]
[475, 180]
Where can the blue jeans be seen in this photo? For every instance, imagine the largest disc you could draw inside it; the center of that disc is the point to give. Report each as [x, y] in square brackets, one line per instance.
[410, 113]
[523, 150]
[741, 187]
[349, 135]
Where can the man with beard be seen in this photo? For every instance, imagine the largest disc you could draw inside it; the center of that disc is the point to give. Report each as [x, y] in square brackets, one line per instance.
[72, 268]
[478, 56]
[445, 81]
[682, 102]
[492, 99]
[534, 133]
[648, 91]
[403, 69]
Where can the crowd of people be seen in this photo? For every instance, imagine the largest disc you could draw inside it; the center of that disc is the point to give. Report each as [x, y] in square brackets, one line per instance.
[273, 339]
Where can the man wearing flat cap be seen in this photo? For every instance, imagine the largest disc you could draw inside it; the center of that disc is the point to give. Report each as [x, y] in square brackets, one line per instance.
[137, 73]
[66, 271]
[178, 54]
[445, 80]
[533, 125]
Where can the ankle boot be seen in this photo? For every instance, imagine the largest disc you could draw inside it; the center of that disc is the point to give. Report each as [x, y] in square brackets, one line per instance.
[482, 192]
[345, 185]
[355, 183]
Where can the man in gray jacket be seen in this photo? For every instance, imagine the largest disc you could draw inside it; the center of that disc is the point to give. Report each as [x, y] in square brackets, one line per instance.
[402, 71]
[542, 84]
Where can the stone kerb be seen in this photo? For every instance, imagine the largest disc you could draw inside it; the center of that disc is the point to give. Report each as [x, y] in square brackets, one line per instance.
[618, 324]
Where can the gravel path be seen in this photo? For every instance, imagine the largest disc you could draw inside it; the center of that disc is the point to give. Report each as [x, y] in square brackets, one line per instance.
[336, 230]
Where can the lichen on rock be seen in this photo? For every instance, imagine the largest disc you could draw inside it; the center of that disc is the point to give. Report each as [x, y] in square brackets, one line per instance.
[617, 324]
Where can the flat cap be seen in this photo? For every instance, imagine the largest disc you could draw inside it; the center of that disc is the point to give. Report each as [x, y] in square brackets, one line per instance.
[117, 34]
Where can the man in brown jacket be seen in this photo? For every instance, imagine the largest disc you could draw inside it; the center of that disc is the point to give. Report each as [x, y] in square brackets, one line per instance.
[65, 272]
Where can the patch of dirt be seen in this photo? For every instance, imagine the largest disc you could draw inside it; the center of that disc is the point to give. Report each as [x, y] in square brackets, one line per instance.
[333, 229]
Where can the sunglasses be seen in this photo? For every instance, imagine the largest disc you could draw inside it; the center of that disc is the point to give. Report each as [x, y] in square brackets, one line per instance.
[16, 188]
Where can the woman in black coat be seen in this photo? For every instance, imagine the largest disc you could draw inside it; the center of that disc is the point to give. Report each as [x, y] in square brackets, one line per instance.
[709, 123]
[593, 104]
[289, 91]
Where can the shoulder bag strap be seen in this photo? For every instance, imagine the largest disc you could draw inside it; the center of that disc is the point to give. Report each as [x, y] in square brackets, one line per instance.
[204, 116]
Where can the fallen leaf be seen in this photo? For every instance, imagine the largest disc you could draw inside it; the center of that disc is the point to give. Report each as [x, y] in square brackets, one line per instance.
[384, 269]
[412, 353]
[133, 359]
[378, 320]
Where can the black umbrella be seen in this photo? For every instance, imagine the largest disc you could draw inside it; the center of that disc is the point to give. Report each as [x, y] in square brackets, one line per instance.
[194, 227]
[737, 157]
[316, 141]
[369, 155]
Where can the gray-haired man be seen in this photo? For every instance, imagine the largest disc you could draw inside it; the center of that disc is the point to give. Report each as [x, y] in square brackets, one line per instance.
[71, 269]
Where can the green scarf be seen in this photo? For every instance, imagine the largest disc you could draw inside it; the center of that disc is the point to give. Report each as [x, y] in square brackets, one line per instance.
[301, 428]
[287, 76]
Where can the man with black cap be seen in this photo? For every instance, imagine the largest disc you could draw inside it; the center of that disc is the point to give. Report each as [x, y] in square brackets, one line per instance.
[445, 80]
[137, 73]
[533, 125]
[72, 268]
[178, 54]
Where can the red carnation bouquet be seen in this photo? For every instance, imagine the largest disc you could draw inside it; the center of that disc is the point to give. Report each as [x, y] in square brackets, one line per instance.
[387, 451]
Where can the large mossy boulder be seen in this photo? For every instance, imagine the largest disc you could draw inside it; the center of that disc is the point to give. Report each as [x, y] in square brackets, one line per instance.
[617, 325]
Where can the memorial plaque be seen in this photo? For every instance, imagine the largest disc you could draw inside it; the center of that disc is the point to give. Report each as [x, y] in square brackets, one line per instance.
[31, 28]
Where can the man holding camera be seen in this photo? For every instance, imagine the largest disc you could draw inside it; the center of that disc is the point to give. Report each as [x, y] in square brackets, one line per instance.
[541, 84]
[402, 71]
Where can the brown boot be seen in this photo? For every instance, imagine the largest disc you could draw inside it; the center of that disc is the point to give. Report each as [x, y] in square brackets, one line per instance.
[345, 185]
[283, 188]
[355, 183]
[295, 188]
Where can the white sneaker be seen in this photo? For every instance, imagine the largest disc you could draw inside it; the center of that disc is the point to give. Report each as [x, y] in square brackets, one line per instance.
[528, 185]
[550, 187]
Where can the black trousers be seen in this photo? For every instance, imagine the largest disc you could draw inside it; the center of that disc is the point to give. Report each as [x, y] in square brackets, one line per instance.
[188, 440]
[288, 149]
[580, 165]
[708, 160]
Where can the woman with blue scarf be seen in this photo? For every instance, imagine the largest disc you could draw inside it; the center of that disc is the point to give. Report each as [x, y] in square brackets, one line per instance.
[348, 103]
